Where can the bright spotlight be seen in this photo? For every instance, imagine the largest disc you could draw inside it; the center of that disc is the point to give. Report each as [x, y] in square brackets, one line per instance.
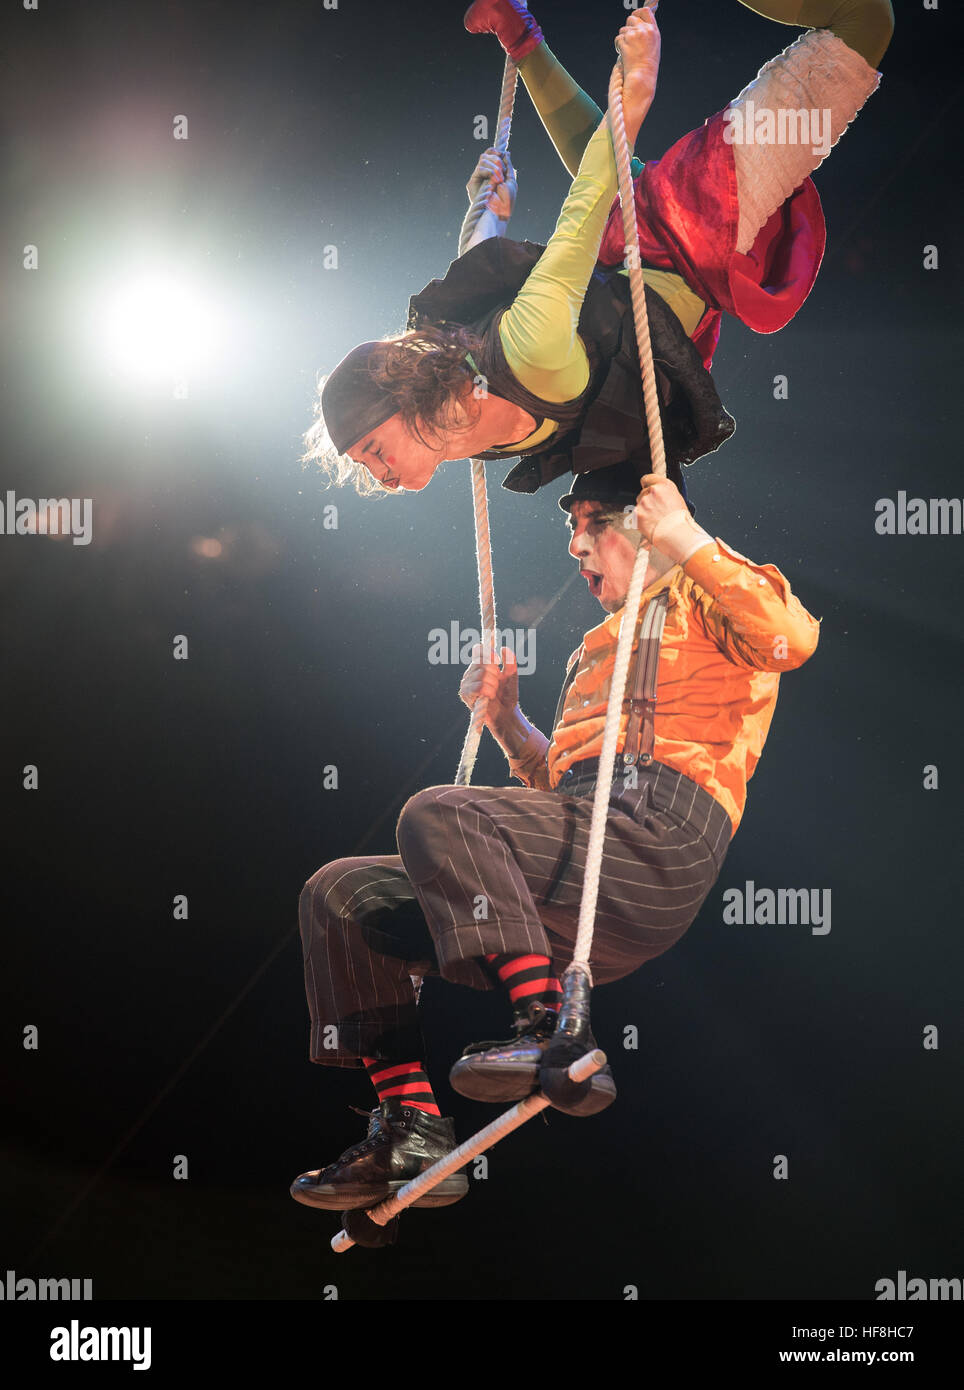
[157, 329]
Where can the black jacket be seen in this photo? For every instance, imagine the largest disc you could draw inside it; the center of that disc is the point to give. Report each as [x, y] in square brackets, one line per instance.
[607, 423]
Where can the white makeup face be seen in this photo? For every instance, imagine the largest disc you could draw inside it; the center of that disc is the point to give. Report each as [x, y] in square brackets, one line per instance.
[606, 552]
[393, 455]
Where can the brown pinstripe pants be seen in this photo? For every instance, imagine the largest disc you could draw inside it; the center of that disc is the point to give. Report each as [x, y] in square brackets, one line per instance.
[483, 869]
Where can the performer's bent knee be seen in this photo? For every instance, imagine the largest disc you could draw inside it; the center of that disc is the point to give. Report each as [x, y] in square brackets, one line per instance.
[420, 833]
[866, 26]
[322, 901]
[326, 877]
[315, 893]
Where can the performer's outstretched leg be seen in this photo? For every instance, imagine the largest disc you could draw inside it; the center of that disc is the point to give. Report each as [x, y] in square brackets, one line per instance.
[831, 70]
[570, 115]
[711, 242]
[866, 26]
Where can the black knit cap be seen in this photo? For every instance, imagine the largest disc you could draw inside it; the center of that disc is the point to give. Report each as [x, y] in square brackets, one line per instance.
[617, 486]
[351, 402]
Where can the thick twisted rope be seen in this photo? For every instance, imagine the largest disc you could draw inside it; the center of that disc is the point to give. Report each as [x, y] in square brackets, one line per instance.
[624, 646]
[483, 543]
[510, 77]
[483, 557]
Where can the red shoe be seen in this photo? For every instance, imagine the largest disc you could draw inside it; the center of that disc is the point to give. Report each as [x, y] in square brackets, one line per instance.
[509, 21]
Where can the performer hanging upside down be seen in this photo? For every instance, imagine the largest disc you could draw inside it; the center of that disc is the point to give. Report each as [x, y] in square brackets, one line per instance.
[486, 886]
[725, 226]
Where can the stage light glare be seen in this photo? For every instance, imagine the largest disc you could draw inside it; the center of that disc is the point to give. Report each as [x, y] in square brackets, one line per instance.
[157, 329]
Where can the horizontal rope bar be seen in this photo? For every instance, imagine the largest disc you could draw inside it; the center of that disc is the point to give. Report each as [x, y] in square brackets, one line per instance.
[508, 1121]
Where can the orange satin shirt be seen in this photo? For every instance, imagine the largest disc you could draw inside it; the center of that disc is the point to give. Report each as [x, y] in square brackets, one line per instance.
[732, 628]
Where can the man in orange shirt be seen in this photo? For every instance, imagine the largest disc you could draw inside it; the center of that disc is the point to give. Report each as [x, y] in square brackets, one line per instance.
[732, 628]
[487, 883]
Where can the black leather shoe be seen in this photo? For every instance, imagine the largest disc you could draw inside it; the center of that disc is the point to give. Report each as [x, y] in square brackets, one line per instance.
[401, 1143]
[572, 1041]
[509, 1071]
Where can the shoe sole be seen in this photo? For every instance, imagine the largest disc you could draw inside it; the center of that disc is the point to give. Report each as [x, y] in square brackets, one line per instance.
[473, 1078]
[331, 1198]
[601, 1096]
[477, 1080]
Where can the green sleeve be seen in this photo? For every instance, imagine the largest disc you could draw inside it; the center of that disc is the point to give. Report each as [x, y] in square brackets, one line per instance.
[538, 331]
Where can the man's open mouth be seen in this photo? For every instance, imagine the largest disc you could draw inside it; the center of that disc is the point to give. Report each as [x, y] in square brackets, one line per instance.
[594, 581]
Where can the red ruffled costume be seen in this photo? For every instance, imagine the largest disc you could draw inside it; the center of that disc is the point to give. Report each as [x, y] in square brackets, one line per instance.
[688, 215]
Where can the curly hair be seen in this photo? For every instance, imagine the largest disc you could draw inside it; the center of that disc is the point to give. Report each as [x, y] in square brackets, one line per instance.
[426, 373]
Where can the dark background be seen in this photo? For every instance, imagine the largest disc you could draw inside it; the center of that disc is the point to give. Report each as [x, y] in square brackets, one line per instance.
[354, 128]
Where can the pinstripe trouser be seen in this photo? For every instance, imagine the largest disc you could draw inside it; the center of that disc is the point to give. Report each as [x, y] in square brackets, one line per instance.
[499, 869]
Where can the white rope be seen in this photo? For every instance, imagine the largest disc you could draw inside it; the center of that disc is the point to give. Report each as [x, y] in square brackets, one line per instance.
[483, 555]
[480, 504]
[607, 754]
[510, 77]
[504, 1124]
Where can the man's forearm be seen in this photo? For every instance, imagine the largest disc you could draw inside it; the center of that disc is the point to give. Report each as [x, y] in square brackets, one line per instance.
[635, 112]
[525, 747]
[751, 611]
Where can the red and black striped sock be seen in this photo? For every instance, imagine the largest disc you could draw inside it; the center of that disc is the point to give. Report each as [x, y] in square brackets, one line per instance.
[527, 978]
[402, 1081]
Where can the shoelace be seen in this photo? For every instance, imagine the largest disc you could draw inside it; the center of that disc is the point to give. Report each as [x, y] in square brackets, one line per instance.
[541, 1025]
[539, 1020]
[374, 1138]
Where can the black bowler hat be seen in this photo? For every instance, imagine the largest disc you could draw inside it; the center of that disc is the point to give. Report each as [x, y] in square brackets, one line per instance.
[617, 486]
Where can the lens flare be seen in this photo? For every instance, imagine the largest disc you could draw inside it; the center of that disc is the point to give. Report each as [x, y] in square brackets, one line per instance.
[157, 328]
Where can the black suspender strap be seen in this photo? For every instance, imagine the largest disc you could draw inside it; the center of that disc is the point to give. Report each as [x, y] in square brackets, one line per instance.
[640, 728]
[560, 703]
[643, 674]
